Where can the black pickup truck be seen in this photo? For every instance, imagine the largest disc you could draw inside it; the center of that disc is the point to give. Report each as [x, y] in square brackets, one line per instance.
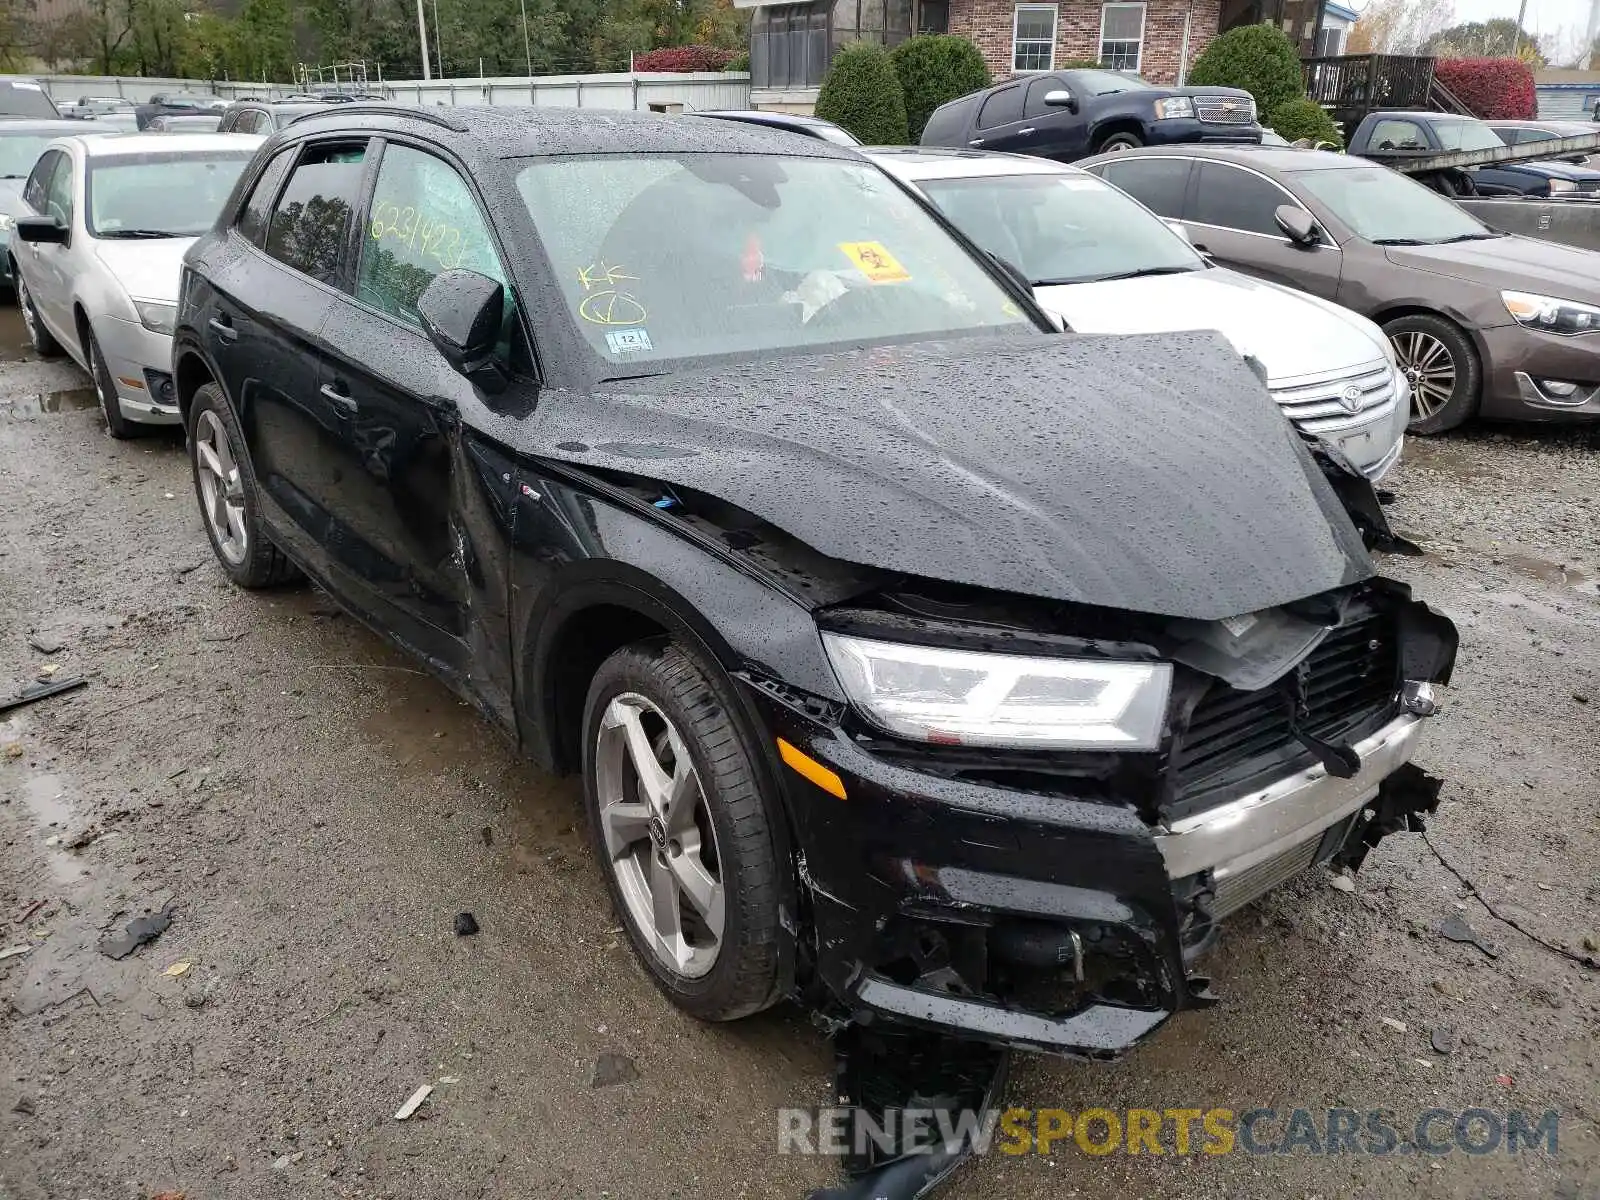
[1067, 115]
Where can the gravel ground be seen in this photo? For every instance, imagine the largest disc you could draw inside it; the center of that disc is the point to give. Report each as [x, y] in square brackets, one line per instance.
[313, 813]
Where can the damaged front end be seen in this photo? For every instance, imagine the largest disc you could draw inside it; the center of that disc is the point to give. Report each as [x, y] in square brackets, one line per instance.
[1058, 901]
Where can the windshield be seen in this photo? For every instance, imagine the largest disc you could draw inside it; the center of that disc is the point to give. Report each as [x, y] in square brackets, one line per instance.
[1104, 83]
[687, 256]
[172, 194]
[1067, 228]
[1466, 135]
[1384, 206]
[19, 151]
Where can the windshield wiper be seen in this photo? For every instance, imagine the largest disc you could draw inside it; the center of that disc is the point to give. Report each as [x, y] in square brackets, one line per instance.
[1469, 237]
[1401, 242]
[1141, 273]
[140, 234]
[13, 176]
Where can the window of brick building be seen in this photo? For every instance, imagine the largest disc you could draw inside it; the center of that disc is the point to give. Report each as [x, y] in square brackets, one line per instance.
[1033, 38]
[1121, 36]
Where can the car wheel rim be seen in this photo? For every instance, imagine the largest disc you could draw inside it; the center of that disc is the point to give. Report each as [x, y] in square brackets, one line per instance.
[221, 492]
[1429, 368]
[25, 303]
[660, 844]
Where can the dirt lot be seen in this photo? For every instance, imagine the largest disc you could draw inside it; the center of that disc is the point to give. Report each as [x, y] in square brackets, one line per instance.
[315, 813]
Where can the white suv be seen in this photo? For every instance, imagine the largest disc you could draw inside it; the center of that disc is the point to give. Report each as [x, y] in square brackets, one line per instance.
[1104, 263]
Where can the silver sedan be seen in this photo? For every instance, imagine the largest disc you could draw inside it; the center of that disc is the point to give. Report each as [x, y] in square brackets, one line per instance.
[96, 256]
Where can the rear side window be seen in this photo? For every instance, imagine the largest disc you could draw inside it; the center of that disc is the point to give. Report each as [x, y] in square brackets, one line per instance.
[947, 124]
[1001, 108]
[25, 98]
[311, 222]
[1156, 183]
[1235, 199]
[252, 221]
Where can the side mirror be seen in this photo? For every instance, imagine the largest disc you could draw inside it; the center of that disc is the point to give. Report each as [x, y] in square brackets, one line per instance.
[1179, 228]
[1061, 98]
[461, 313]
[1297, 224]
[42, 229]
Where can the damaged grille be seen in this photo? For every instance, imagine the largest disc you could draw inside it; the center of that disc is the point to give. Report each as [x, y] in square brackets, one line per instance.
[1233, 736]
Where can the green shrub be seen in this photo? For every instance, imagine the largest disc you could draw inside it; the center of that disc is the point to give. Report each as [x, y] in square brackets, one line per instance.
[935, 68]
[860, 93]
[1302, 118]
[1257, 58]
[739, 62]
[1080, 64]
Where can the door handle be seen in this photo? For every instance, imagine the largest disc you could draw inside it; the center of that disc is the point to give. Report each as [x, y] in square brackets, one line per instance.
[975, 142]
[223, 329]
[341, 398]
[1029, 129]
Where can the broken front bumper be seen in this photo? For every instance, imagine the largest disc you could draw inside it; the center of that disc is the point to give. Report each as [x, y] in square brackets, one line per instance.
[1044, 922]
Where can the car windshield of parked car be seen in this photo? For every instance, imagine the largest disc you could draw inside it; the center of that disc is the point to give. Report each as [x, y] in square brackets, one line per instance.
[19, 151]
[1466, 135]
[688, 256]
[1067, 228]
[160, 194]
[1384, 206]
[1106, 83]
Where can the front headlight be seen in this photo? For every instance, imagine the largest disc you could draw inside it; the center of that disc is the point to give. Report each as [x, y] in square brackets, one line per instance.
[1176, 106]
[967, 698]
[156, 315]
[1557, 186]
[1551, 314]
[7, 223]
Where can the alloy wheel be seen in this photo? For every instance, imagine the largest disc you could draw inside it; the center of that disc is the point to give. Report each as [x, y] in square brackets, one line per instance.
[25, 303]
[1430, 369]
[221, 493]
[659, 840]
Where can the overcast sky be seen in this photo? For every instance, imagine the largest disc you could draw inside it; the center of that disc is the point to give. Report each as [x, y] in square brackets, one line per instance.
[1544, 16]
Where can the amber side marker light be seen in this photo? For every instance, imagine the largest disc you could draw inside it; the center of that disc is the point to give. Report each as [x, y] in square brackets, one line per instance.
[803, 764]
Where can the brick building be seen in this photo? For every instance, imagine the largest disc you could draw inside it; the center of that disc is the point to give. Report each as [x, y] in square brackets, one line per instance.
[792, 44]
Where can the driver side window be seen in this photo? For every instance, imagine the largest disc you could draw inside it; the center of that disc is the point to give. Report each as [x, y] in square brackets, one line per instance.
[423, 221]
[33, 192]
[58, 192]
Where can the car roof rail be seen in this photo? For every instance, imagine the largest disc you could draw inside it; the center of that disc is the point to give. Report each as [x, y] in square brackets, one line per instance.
[434, 116]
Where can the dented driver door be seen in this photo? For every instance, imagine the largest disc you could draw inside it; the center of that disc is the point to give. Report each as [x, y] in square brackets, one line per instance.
[398, 495]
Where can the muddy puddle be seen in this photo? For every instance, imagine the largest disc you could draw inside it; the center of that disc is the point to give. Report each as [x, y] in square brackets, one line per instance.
[1560, 574]
[44, 403]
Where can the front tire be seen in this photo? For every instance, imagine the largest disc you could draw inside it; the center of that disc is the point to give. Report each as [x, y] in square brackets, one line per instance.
[1438, 360]
[117, 425]
[682, 830]
[44, 345]
[225, 486]
[1119, 142]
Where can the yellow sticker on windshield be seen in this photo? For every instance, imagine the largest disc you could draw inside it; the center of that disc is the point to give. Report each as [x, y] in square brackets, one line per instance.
[876, 263]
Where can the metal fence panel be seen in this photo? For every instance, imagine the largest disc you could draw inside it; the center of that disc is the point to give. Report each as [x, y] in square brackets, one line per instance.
[1573, 223]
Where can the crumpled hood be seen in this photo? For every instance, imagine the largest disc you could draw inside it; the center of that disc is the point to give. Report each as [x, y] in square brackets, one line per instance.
[1151, 474]
[1290, 334]
[148, 270]
[1519, 263]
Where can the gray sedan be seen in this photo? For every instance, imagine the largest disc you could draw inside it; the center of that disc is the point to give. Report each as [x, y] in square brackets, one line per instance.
[21, 143]
[1482, 322]
[96, 256]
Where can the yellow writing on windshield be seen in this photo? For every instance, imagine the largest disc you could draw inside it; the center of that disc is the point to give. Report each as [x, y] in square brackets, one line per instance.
[875, 262]
[605, 303]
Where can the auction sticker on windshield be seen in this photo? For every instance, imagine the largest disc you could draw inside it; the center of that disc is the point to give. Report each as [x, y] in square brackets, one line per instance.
[876, 263]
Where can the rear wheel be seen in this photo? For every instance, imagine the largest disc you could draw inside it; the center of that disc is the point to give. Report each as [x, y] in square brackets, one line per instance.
[225, 485]
[1441, 366]
[1118, 142]
[39, 337]
[682, 829]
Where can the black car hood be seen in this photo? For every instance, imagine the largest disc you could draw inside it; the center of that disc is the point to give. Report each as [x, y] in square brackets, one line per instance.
[1145, 473]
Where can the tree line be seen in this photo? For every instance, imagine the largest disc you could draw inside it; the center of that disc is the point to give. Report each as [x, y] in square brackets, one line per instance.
[267, 39]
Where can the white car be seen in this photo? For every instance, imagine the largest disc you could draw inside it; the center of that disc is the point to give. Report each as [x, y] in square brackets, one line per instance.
[96, 256]
[1105, 264]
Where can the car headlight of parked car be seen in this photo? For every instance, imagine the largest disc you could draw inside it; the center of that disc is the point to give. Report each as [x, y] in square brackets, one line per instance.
[1174, 106]
[1551, 314]
[1557, 186]
[156, 315]
[968, 698]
